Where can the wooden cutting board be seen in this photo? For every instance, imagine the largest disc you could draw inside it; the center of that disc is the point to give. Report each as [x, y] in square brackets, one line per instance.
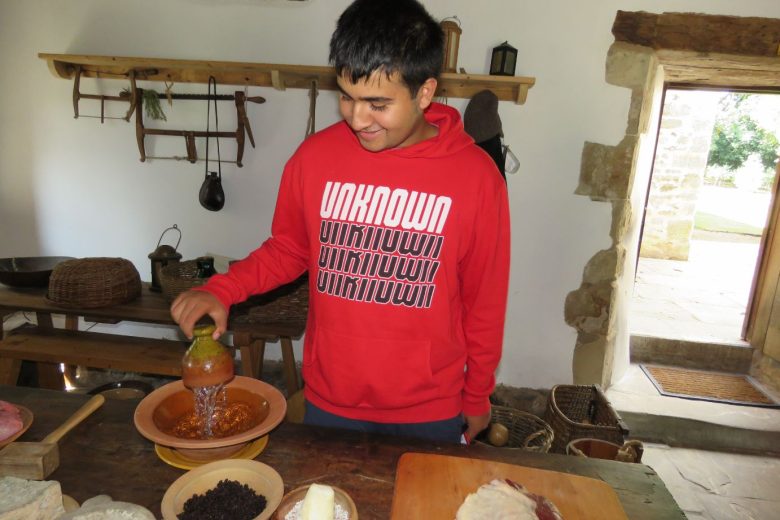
[432, 487]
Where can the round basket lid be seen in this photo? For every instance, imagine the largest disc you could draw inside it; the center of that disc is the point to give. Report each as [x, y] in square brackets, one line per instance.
[93, 282]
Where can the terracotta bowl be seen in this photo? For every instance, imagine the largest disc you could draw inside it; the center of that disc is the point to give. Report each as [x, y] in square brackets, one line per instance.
[298, 494]
[263, 479]
[161, 409]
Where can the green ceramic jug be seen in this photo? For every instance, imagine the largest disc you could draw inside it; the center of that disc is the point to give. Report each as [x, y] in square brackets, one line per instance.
[207, 362]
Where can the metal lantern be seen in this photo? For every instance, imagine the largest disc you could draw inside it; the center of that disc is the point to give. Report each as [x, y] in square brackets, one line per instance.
[452, 32]
[503, 60]
[162, 256]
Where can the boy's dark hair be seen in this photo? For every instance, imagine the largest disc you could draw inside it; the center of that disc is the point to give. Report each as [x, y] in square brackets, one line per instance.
[388, 35]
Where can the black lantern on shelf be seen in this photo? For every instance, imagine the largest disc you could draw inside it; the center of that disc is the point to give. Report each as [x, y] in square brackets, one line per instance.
[503, 60]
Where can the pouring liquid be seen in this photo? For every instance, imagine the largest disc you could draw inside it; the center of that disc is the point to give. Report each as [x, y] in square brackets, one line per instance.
[210, 401]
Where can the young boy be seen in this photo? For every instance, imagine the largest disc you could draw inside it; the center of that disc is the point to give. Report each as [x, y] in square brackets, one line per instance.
[402, 223]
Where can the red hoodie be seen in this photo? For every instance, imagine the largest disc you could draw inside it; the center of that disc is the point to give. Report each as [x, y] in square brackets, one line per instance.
[408, 257]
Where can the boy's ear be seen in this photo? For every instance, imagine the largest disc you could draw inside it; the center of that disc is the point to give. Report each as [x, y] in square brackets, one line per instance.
[426, 93]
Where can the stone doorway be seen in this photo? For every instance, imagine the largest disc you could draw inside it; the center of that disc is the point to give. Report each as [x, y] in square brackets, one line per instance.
[705, 215]
[650, 50]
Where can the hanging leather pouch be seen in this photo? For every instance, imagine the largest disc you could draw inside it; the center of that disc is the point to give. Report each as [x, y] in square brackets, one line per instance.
[212, 196]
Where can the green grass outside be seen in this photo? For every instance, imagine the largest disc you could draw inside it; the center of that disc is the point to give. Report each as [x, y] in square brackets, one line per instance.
[710, 222]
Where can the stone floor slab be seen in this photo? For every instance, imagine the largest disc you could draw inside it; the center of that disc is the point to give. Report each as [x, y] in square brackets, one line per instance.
[718, 486]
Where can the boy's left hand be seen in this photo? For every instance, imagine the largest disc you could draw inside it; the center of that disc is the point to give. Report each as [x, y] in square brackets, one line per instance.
[475, 424]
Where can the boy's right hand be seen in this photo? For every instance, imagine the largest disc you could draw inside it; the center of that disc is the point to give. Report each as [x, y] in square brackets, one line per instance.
[190, 306]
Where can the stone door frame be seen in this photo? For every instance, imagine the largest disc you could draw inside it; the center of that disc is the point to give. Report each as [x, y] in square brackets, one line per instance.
[650, 51]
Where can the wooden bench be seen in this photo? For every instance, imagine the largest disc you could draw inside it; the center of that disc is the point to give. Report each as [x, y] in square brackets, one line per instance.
[279, 315]
[91, 349]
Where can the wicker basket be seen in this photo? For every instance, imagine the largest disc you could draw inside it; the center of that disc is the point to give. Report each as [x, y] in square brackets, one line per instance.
[582, 411]
[88, 283]
[179, 277]
[526, 431]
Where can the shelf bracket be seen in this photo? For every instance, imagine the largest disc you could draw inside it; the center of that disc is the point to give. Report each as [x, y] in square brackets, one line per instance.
[277, 80]
[522, 94]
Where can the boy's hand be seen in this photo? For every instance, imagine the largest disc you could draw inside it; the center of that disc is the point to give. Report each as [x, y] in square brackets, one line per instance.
[475, 424]
[190, 306]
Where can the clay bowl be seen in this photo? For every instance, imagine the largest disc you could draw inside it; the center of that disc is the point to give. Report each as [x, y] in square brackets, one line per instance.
[298, 494]
[261, 478]
[160, 411]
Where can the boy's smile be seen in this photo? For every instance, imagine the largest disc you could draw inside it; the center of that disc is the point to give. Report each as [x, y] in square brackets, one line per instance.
[382, 113]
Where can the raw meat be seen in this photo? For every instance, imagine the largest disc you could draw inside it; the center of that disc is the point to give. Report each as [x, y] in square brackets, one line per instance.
[10, 420]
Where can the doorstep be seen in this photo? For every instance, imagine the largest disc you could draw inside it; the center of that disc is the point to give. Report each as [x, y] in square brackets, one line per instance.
[688, 423]
[726, 356]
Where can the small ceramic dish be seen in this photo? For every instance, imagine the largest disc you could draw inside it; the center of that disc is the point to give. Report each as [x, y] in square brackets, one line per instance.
[261, 478]
[27, 419]
[292, 498]
[69, 503]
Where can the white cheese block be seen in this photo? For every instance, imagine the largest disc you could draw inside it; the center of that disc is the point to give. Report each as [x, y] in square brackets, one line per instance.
[319, 504]
[22, 499]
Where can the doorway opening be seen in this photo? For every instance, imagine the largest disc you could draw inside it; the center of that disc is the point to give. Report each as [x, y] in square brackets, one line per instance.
[710, 194]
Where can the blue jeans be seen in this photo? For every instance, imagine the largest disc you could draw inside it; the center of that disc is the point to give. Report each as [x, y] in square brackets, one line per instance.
[448, 430]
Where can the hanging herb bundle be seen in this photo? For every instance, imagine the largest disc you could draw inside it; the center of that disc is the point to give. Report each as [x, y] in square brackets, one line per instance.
[152, 105]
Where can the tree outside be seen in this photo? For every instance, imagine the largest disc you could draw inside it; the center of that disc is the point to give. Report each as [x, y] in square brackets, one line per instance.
[745, 141]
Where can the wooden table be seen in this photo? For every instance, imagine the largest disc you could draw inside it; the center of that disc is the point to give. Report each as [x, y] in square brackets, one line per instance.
[277, 315]
[106, 455]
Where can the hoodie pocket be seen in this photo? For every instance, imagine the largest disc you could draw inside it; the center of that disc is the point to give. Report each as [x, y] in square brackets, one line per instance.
[370, 373]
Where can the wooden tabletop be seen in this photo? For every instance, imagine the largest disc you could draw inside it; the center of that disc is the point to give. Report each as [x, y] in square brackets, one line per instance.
[106, 455]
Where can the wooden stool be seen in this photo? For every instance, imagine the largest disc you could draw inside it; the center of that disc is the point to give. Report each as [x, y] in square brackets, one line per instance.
[252, 349]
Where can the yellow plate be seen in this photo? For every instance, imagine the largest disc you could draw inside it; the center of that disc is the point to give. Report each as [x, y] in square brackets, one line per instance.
[69, 503]
[177, 460]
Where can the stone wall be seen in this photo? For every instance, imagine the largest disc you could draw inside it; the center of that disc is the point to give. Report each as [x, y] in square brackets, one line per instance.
[680, 161]
[606, 176]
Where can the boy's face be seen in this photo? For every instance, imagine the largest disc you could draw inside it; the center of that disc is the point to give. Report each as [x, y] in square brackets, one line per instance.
[382, 113]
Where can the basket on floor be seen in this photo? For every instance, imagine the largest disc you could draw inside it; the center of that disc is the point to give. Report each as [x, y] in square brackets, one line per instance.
[526, 431]
[179, 277]
[582, 411]
[89, 283]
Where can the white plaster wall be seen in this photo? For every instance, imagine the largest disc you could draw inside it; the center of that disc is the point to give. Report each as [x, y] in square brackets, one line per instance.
[76, 187]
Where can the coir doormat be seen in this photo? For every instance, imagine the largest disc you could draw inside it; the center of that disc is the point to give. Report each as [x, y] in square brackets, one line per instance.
[708, 386]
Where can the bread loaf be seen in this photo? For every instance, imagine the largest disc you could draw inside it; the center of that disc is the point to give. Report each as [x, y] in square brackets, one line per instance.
[22, 499]
[503, 498]
[102, 507]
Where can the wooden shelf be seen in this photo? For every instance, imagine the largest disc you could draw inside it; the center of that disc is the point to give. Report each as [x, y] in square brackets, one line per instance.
[278, 76]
